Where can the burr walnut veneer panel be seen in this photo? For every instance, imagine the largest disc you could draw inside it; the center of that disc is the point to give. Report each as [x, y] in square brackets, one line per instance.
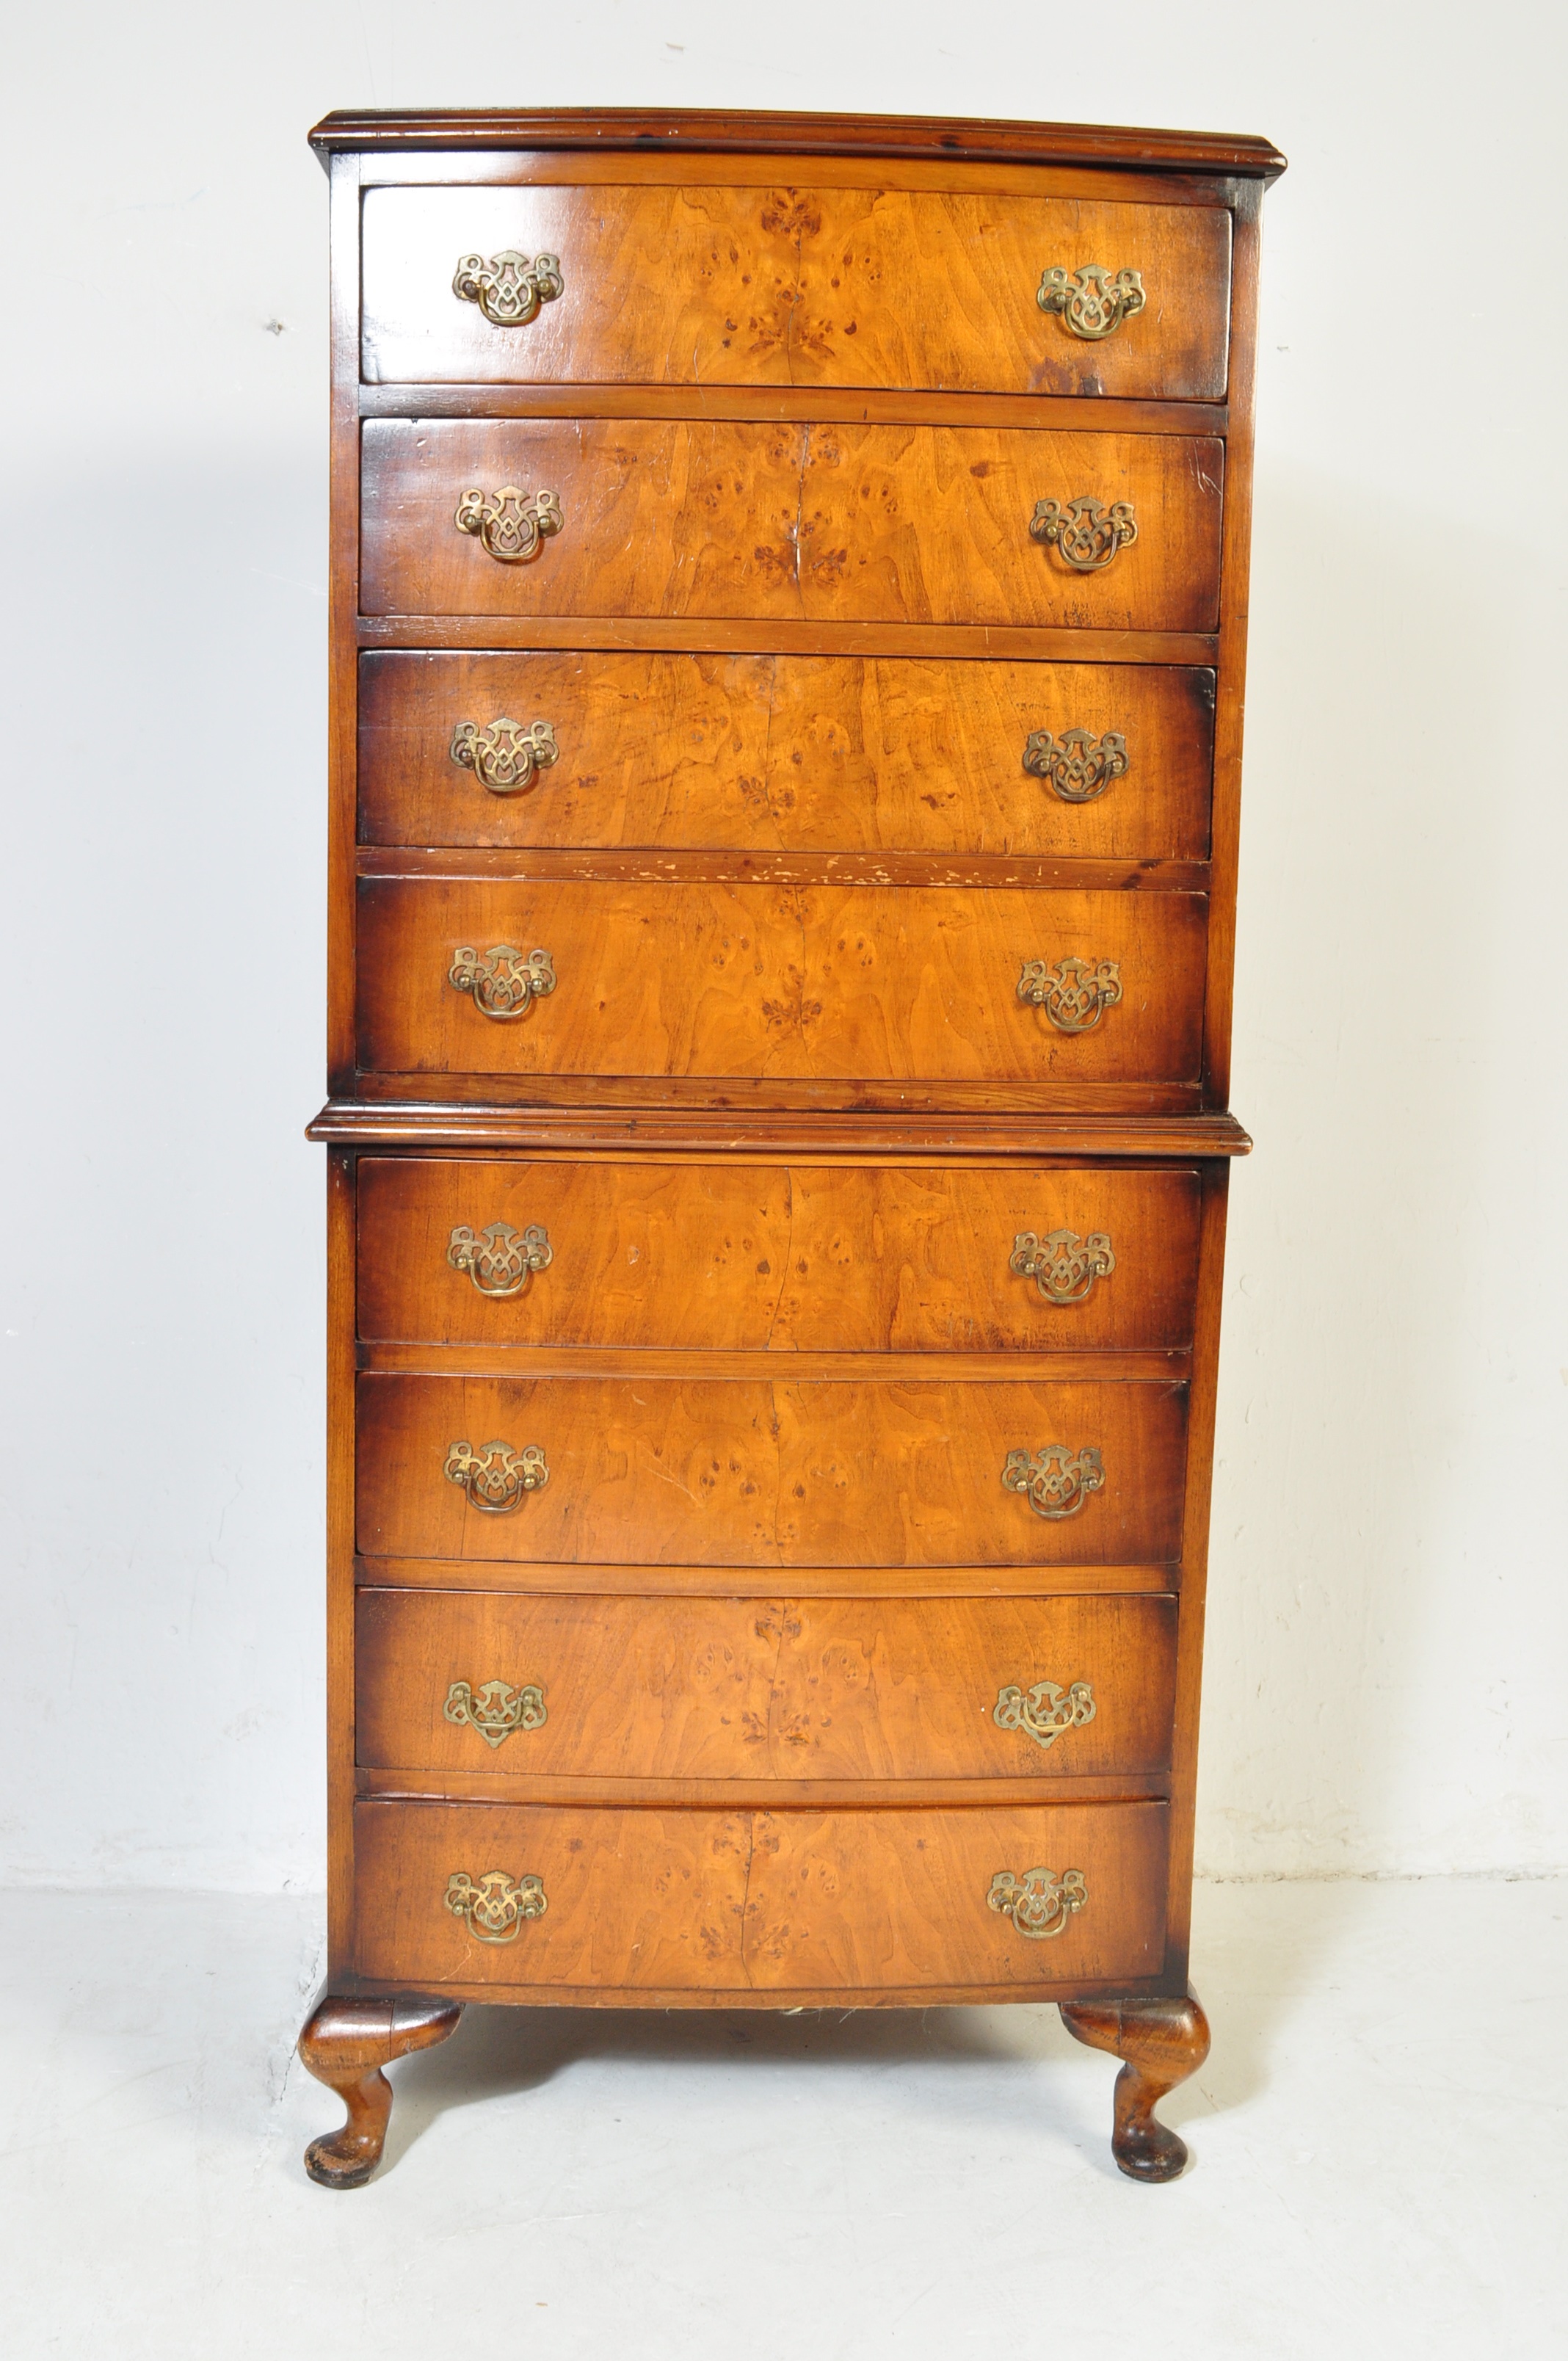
[841, 981]
[898, 524]
[789, 754]
[795, 1472]
[804, 287]
[757, 1688]
[752, 1257]
[781, 1901]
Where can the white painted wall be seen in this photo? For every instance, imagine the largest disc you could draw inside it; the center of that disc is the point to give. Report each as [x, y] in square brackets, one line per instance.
[1385, 1684]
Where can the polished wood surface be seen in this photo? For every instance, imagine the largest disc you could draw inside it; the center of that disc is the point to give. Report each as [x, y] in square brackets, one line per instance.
[847, 982]
[783, 1114]
[519, 168]
[852, 523]
[346, 2042]
[1059, 1366]
[470, 1121]
[796, 1259]
[782, 1900]
[788, 405]
[784, 754]
[1195, 1517]
[674, 1110]
[657, 134]
[791, 1473]
[1236, 545]
[634, 1579]
[798, 286]
[769, 1689]
[1162, 2042]
[652, 1897]
[848, 1901]
[340, 1568]
[1028, 873]
[765, 635]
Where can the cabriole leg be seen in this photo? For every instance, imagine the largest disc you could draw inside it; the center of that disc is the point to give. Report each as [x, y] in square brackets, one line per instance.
[1161, 2042]
[346, 2043]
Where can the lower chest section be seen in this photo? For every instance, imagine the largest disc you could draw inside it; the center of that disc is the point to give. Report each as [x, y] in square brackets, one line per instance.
[768, 1577]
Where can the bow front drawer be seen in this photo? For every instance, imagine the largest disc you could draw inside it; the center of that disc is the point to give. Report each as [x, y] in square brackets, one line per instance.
[786, 1259]
[853, 982]
[759, 1688]
[593, 1902]
[785, 753]
[672, 1471]
[881, 524]
[984, 291]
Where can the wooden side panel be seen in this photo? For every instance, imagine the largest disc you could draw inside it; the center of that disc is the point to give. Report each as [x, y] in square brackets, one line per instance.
[917, 524]
[1231, 708]
[737, 1688]
[784, 754]
[726, 1472]
[797, 1900]
[846, 982]
[1195, 1558]
[341, 1199]
[794, 286]
[749, 1258]
[342, 662]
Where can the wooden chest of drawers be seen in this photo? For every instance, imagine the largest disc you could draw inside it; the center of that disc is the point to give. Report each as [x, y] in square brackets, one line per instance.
[788, 614]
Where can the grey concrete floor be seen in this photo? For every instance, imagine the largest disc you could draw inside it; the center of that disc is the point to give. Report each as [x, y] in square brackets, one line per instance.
[1378, 2142]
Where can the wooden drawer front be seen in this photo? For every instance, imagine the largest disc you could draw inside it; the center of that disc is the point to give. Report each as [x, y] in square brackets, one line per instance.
[824, 287]
[752, 1257]
[668, 1471]
[841, 982]
[795, 1900]
[902, 524]
[786, 753]
[738, 1688]
[649, 1898]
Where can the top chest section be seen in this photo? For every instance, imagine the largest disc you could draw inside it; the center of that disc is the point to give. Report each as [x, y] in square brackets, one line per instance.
[815, 273]
[713, 527]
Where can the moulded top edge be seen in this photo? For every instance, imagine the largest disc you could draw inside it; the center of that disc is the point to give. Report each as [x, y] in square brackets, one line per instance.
[695, 128]
[410, 1122]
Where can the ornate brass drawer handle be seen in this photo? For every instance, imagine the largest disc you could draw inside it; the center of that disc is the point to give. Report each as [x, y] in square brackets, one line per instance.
[496, 1479]
[505, 757]
[511, 525]
[1077, 766]
[494, 1908]
[508, 288]
[500, 1261]
[1073, 994]
[1039, 1903]
[1093, 301]
[1085, 533]
[497, 1711]
[1063, 1265]
[1055, 1480]
[1042, 1714]
[503, 983]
